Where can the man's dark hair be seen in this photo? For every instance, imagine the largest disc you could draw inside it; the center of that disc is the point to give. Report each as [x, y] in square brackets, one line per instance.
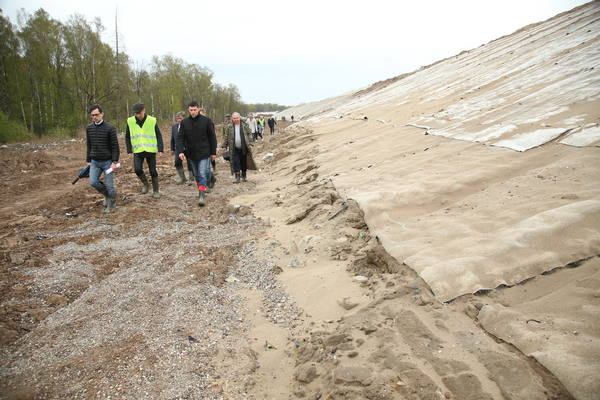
[193, 103]
[92, 108]
[138, 107]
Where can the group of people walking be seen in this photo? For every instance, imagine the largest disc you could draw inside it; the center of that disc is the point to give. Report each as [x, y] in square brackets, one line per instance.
[193, 141]
[257, 125]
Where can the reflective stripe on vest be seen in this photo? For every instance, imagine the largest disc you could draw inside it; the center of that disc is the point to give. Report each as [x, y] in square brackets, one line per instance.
[143, 138]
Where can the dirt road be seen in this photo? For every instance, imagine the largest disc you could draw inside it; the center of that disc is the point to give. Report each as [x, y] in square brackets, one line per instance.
[274, 290]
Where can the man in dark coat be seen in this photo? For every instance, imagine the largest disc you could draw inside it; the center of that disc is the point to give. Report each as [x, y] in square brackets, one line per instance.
[197, 141]
[271, 121]
[102, 155]
[178, 163]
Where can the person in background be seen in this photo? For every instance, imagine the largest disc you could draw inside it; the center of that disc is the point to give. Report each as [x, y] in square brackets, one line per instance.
[144, 140]
[271, 122]
[237, 141]
[178, 163]
[102, 155]
[253, 126]
[226, 122]
[260, 122]
[197, 141]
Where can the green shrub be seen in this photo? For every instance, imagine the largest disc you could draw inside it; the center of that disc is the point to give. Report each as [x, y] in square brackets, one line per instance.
[13, 131]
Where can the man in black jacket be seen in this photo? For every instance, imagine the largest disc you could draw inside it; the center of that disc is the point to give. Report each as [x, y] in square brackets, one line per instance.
[178, 163]
[271, 121]
[197, 141]
[102, 155]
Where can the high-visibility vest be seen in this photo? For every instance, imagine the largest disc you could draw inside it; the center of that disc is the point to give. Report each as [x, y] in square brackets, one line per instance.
[143, 138]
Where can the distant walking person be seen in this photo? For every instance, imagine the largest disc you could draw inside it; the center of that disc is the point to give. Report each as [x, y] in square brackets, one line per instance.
[197, 141]
[102, 154]
[292, 118]
[261, 125]
[271, 122]
[178, 163]
[237, 141]
[144, 140]
[253, 126]
[226, 122]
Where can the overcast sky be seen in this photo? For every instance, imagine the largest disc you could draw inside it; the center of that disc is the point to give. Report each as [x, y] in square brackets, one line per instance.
[294, 52]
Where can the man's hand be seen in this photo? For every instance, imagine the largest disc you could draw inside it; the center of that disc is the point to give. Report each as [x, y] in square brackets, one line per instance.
[213, 157]
[160, 153]
[181, 156]
[113, 165]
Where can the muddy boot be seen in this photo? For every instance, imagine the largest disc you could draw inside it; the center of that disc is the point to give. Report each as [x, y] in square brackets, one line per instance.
[155, 192]
[144, 183]
[181, 176]
[213, 180]
[201, 198]
[244, 176]
[110, 204]
[192, 179]
[237, 178]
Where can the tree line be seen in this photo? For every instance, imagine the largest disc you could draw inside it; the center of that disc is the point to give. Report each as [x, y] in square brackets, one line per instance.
[51, 72]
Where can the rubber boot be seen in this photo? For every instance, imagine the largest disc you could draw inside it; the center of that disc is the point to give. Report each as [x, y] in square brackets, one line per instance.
[244, 176]
[201, 198]
[237, 178]
[110, 204]
[192, 179]
[105, 201]
[181, 176]
[104, 193]
[144, 183]
[155, 192]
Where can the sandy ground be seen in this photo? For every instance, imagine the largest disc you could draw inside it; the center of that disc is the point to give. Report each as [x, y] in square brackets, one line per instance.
[479, 173]
[277, 289]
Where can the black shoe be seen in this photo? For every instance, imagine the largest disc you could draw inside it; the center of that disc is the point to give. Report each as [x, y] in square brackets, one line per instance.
[201, 198]
[237, 177]
[244, 176]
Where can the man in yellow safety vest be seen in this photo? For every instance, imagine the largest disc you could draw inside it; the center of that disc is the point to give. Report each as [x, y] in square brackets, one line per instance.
[144, 140]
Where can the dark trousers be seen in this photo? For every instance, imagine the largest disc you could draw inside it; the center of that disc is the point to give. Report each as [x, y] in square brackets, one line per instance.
[138, 161]
[179, 163]
[238, 160]
[271, 129]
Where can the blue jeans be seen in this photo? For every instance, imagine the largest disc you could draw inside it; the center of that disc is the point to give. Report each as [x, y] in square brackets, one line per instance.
[201, 172]
[107, 188]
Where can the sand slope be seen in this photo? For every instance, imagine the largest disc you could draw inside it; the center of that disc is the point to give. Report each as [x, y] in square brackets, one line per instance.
[504, 184]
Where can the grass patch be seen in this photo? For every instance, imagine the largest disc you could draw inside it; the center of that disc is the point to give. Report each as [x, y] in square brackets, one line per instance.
[13, 131]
